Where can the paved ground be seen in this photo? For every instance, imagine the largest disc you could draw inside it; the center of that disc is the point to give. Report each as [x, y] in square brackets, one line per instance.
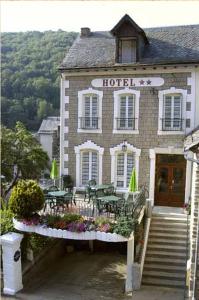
[77, 276]
[85, 276]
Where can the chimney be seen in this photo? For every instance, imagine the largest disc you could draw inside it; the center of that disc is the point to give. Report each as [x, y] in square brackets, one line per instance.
[85, 31]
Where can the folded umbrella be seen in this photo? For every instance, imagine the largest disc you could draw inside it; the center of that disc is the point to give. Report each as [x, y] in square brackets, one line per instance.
[133, 182]
[54, 171]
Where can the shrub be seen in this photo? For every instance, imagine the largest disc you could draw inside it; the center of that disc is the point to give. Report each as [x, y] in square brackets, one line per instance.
[26, 199]
[6, 221]
[124, 226]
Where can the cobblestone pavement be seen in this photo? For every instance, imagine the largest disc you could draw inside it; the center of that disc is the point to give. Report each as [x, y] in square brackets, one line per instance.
[77, 276]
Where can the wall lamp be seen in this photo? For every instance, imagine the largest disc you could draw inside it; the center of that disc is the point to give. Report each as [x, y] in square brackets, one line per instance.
[124, 146]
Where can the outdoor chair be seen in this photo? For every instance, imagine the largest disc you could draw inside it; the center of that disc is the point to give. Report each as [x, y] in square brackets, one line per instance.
[88, 193]
[110, 190]
[96, 201]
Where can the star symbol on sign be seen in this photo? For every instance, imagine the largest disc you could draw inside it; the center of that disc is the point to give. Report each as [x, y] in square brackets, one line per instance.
[148, 82]
[141, 82]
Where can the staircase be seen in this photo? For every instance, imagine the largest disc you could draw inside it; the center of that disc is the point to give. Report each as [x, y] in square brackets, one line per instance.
[165, 261]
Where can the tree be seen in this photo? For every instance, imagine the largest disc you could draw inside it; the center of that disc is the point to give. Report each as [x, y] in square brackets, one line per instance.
[22, 156]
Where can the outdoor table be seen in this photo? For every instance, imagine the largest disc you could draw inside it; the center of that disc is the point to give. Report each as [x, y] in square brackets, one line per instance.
[61, 198]
[109, 202]
[99, 187]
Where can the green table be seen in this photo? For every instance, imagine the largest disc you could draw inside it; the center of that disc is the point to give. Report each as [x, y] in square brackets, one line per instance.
[100, 187]
[110, 203]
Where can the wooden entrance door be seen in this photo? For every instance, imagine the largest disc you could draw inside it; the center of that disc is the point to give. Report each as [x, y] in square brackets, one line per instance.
[170, 180]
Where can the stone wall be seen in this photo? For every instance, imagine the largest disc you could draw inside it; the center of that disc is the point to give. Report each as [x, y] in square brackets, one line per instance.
[148, 122]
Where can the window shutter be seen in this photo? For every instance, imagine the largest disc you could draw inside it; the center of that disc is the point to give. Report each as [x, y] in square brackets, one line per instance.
[94, 166]
[85, 167]
[120, 170]
[130, 165]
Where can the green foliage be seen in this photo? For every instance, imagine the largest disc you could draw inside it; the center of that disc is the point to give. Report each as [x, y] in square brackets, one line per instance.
[21, 153]
[6, 222]
[124, 226]
[26, 199]
[29, 74]
[102, 221]
[37, 242]
[72, 218]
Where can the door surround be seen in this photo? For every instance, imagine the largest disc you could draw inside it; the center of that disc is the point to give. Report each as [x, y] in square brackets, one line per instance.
[169, 150]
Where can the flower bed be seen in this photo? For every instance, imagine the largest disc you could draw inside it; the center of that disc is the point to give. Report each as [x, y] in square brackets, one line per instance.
[63, 233]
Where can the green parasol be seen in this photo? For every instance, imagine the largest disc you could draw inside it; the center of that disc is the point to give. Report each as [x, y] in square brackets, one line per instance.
[54, 170]
[133, 182]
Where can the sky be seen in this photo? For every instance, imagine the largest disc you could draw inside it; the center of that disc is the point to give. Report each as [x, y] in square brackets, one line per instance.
[98, 15]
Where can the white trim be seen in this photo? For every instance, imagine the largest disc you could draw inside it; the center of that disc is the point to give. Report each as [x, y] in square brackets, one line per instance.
[139, 70]
[62, 103]
[116, 95]
[113, 153]
[80, 109]
[66, 84]
[66, 99]
[161, 95]
[192, 115]
[88, 145]
[169, 150]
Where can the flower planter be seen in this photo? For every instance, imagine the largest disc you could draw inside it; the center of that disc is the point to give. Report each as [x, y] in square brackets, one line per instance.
[59, 233]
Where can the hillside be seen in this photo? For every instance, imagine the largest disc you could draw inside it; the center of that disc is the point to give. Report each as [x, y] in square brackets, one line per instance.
[30, 79]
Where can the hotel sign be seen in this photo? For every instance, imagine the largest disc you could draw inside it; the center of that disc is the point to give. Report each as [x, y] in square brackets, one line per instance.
[128, 82]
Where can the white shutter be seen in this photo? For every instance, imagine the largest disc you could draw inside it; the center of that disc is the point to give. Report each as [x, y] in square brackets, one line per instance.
[172, 112]
[177, 112]
[130, 113]
[120, 170]
[85, 168]
[130, 165]
[94, 166]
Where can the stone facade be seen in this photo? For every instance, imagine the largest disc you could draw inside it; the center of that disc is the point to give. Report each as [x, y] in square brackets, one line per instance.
[148, 122]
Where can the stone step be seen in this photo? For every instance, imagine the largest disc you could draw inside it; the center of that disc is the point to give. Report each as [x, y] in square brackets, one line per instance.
[166, 235]
[163, 274]
[169, 225]
[169, 219]
[165, 261]
[166, 254]
[168, 230]
[166, 268]
[170, 215]
[166, 241]
[163, 282]
[168, 248]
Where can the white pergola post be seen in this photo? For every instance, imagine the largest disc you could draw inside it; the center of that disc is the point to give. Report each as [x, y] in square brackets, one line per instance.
[130, 261]
[12, 273]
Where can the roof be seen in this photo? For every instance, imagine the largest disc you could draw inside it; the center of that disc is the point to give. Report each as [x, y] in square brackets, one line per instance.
[175, 44]
[49, 125]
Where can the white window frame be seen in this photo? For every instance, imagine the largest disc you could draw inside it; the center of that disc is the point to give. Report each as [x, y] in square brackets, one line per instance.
[161, 96]
[89, 151]
[117, 95]
[81, 96]
[87, 146]
[113, 152]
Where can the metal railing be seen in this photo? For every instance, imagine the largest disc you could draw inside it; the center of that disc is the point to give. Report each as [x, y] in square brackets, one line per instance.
[89, 123]
[125, 123]
[174, 124]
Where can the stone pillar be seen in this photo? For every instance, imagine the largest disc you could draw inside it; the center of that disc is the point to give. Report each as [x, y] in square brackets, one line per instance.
[130, 260]
[12, 273]
[148, 208]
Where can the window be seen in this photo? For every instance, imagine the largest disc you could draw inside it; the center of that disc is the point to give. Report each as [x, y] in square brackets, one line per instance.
[172, 117]
[90, 111]
[126, 118]
[126, 50]
[124, 165]
[126, 111]
[89, 166]
[88, 163]
[172, 111]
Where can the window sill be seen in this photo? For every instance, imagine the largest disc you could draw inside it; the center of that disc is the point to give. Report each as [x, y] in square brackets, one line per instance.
[127, 131]
[160, 132]
[89, 130]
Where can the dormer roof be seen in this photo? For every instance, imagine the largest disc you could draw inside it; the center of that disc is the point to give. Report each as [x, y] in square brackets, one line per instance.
[133, 28]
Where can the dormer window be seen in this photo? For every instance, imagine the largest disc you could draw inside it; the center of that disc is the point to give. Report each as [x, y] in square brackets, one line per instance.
[127, 50]
[130, 41]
